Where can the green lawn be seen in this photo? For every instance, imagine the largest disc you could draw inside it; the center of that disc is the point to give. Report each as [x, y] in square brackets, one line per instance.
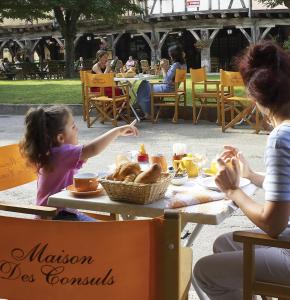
[51, 91]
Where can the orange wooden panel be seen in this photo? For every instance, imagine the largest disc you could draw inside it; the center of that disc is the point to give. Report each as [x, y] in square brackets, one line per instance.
[78, 260]
[13, 168]
[198, 75]
[180, 75]
[100, 80]
[231, 78]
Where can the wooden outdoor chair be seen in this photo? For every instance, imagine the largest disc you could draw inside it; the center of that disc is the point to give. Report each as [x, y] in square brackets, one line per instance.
[14, 172]
[106, 108]
[117, 260]
[241, 108]
[85, 93]
[251, 285]
[178, 93]
[208, 97]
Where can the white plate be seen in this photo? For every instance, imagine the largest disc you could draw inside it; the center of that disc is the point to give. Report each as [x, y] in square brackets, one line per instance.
[209, 183]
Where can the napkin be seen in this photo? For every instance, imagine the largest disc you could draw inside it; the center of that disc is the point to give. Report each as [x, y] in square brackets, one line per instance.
[190, 194]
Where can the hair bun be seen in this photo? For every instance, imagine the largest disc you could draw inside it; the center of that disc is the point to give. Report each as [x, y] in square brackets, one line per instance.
[265, 55]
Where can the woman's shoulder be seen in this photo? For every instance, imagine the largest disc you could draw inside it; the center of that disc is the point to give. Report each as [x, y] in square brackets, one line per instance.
[280, 136]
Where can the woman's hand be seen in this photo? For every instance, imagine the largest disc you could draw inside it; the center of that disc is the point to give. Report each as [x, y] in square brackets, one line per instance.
[127, 130]
[230, 152]
[228, 177]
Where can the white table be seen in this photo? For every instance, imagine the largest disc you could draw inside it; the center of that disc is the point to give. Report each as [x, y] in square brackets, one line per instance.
[212, 213]
[131, 81]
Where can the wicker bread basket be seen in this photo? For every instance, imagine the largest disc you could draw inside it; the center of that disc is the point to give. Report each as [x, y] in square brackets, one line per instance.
[137, 193]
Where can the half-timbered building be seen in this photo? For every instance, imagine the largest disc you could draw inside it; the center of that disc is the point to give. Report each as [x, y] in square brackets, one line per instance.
[212, 32]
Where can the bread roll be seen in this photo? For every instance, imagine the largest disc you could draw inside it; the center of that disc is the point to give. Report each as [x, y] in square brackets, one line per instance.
[150, 176]
[121, 159]
[126, 169]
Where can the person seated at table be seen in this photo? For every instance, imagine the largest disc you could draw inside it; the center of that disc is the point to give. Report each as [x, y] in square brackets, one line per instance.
[51, 145]
[103, 66]
[177, 56]
[265, 69]
[130, 63]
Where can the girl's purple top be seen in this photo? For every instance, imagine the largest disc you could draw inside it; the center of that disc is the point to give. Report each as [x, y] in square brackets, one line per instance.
[66, 162]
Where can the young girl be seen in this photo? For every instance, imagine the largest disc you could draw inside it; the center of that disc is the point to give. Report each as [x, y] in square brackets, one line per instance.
[51, 145]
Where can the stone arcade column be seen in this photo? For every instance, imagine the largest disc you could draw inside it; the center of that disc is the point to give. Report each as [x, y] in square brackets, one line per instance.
[205, 39]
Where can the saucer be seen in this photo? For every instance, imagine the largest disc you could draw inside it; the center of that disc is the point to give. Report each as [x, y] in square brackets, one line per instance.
[209, 183]
[71, 188]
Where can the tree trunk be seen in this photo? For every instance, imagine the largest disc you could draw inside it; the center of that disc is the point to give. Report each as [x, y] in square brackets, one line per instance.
[69, 55]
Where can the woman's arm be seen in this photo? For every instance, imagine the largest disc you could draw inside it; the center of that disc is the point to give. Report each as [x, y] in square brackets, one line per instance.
[96, 68]
[99, 144]
[272, 217]
[246, 171]
[108, 67]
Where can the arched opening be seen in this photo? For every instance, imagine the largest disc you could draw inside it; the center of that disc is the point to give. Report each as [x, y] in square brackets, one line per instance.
[133, 45]
[228, 43]
[186, 40]
[87, 46]
[10, 49]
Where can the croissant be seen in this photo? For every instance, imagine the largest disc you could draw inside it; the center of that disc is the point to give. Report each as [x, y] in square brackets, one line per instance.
[150, 176]
[125, 169]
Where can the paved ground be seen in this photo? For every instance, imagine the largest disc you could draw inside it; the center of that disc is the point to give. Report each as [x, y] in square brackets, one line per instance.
[205, 138]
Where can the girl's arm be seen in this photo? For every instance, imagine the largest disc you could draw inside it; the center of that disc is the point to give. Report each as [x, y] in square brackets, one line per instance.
[99, 144]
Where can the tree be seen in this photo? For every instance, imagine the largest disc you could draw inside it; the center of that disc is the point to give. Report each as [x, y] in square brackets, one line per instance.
[273, 3]
[67, 14]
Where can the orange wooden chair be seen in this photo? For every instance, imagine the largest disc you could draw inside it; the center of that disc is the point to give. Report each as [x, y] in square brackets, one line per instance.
[178, 95]
[85, 93]
[106, 108]
[14, 172]
[251, 285]
[241, 108]
[117, 260]
[209, 97]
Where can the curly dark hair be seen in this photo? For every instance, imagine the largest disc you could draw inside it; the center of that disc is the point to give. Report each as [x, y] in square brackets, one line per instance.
[265, 68]
[42, 125]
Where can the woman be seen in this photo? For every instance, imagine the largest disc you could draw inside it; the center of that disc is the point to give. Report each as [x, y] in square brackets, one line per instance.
[103, 66]
[177, 56]
[265, 69]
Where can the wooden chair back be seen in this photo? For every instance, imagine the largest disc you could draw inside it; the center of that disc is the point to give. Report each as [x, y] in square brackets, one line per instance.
[100, 80]
[198, 75]
[13, 168]
[117, 260]
[231, 79]
[14, 172]
[180, 76]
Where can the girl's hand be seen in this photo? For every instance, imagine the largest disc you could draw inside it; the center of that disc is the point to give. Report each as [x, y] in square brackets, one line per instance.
[128, 129]
[228, 177]
[231, 152]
